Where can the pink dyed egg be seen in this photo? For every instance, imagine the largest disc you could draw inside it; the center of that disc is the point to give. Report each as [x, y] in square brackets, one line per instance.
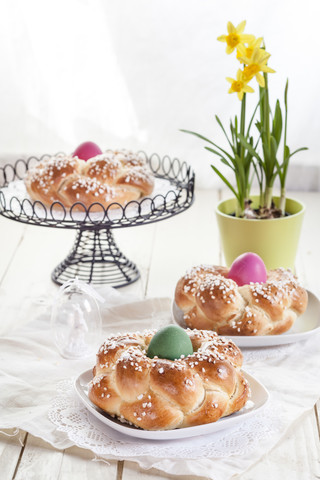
[87, 150]
[248, 267]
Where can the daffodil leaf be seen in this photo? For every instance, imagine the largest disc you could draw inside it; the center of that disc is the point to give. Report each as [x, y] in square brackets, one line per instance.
[223, 178]
[249, 147]
[286, 95]
[277, 123]
[298, 150]
[240, 167]
[252, 118]
[286, 152]
[209, 141]
[259, 126]
[287, 158]
[274, 148]
[236, 146]
[222, 128]
[258, 174]
[278, 169]
[224, 160]
[236, 123]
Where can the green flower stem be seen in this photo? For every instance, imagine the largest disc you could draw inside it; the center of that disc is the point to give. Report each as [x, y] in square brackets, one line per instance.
[243, 123]
[239, 210]
[268, 155]
[282, 204]
[268, 196]
[242, 189]
[266, 112]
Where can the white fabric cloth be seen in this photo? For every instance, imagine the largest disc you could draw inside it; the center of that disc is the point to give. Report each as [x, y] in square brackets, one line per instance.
[36, 395]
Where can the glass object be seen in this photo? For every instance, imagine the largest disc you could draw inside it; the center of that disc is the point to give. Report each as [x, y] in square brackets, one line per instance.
[76, 320]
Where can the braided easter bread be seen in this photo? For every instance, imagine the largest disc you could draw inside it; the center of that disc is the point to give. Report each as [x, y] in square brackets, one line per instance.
[160, 394]
[212, 301]
[114, 176]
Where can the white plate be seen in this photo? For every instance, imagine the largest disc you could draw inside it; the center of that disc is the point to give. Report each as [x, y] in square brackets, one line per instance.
[259, 397]
[306, 325]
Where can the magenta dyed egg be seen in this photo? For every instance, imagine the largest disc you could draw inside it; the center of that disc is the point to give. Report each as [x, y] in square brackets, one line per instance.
[87, 150]
[247, 268]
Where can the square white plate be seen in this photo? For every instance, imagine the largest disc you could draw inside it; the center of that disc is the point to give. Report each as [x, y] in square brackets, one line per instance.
[259, 397]
[306, 325]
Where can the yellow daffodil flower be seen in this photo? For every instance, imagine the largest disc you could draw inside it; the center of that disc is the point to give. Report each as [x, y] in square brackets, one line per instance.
[239, 86]
[247, 50]
[235, 36]
[255, 64]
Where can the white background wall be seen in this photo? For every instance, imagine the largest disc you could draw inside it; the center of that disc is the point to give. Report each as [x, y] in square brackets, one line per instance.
[131, 73]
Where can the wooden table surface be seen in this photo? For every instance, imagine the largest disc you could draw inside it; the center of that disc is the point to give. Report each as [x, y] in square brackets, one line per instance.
[162, 251]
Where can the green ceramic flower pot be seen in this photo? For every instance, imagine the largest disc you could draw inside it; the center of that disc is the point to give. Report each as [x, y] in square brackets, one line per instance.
[275, 240]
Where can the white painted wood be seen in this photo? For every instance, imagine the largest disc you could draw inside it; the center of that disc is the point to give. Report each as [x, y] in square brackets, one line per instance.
[184, 241]
[11, 234]
[132, 471]
[28, 280]
[41, 250]
[11, 442]
[136, 243]
[41, 461]
[82, 464]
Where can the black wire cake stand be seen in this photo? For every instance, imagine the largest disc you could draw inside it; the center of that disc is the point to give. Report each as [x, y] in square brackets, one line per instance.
[95, 257]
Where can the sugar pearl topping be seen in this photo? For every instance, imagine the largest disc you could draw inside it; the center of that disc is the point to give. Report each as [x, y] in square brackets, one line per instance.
[44, 174]
[131, 350]
[157, 393]
[210, 300]
[114, 176]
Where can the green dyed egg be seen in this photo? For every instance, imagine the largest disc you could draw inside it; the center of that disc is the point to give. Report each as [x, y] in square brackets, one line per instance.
[170, 342]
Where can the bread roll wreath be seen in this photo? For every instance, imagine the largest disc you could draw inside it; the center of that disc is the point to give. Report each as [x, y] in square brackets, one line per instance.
[210, 300]
[159, 393]
[114, 176]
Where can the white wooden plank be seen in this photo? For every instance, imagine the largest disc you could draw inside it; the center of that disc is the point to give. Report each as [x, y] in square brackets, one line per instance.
[182, 242]
[11, 234]
[28, 280]
[132, 471]
[136, 243]
[41, 461]
[82, 464]
[42, 249]
[11, 442]
[39, 252]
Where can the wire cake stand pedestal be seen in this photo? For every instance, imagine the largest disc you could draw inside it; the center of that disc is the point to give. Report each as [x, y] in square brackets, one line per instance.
[95, 257]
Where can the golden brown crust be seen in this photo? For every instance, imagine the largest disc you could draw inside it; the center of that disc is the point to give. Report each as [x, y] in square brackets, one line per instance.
[210, 300]
[160, 394]
[43, 181]
[112, 177]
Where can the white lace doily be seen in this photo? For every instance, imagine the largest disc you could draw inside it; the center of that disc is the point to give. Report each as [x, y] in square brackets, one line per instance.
[85, 431]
